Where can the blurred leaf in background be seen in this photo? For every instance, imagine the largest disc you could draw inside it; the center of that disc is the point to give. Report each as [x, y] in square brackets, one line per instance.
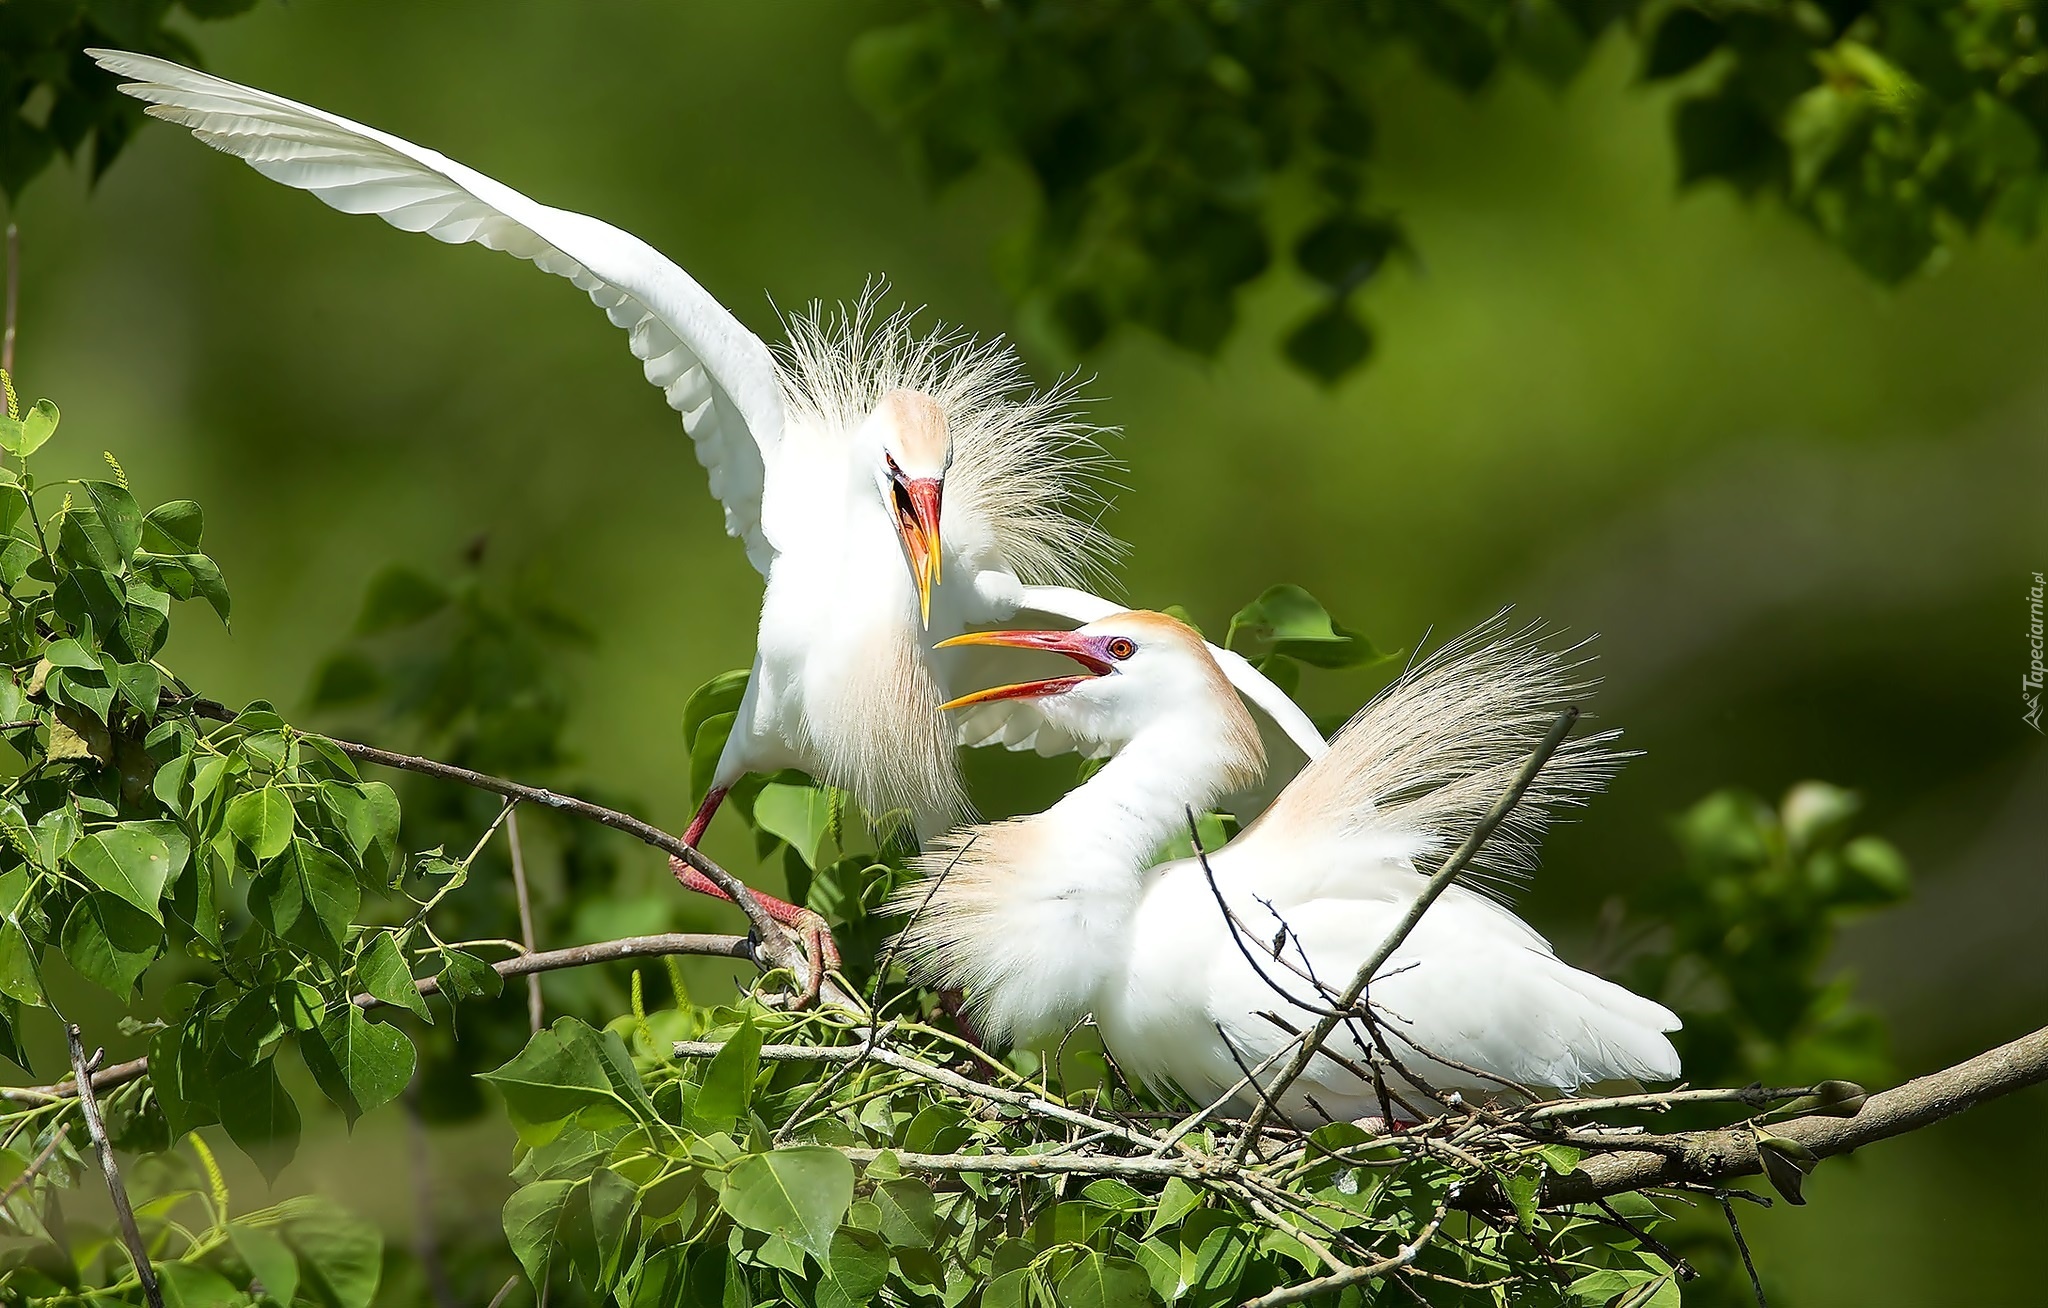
[1176, 144]
[56, 101]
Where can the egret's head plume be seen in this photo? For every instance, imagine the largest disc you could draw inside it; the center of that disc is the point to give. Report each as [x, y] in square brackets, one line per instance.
[1022, 475]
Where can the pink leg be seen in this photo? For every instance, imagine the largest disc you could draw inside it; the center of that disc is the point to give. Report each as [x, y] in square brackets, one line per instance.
[695, 835]
[817, 939]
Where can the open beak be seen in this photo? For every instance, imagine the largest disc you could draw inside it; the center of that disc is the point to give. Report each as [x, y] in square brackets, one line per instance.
[1085, 650]
[917, 520]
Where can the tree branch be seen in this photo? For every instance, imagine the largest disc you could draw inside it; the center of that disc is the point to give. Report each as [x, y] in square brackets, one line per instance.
[131, 1235]
[553, 960]
[1711, 1157]
[777, 949]
[931, 1072]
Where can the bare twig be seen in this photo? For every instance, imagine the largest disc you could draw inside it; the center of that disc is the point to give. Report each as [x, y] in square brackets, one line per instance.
[131, 1235]
[1742, 1247]
[952, 1080]
[1064, 1163]
[1438, 883]
[37, 1164]
[1756, 1096]
[535, 1011]
[554, 960]
[777, 949]
[13, 298]
[1405, 1255]
[426, 1240]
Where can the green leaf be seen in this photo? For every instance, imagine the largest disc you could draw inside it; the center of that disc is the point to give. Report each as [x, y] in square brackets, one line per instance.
[109, 941]
[173, 528]
[382, 972]
[705, 748]
[1176, 1200]
[399, 597]
[860, 1266]
[720, 695]
[24, 437]
[909, 1217]
[611, 1199]
[260, 1117]
[341, 1257]
[121, 514]
[307, 896]
[207, 583]
[1288, 620]
[560, 1074]
[359, 1064]
[177, 1072]
[801, 815]
[262, 820]
[270, 1260]
[1785, 1164]
[729, 1079]
[534, 1224]
[1329, 343]
[1099, 1282]
[799, 1194]
[189, 1285]
[465, 976]
[130, 862]
[19, 978]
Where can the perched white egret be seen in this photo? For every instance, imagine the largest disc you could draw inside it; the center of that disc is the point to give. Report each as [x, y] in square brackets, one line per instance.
[1045, 919]
[832, 461]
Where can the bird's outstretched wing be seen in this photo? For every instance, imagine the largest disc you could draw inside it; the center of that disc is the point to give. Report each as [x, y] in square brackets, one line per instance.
[717, 374]
[1017, 723]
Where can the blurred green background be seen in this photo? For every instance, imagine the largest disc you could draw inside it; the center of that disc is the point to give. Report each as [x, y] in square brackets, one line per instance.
[1801, 512]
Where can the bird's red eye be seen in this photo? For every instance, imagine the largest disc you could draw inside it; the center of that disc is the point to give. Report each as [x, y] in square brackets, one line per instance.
[1121, 649]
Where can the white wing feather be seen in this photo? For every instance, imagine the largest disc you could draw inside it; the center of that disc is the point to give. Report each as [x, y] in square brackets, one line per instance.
[718, 375]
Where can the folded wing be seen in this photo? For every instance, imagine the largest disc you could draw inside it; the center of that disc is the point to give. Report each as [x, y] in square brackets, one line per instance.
[718, 375]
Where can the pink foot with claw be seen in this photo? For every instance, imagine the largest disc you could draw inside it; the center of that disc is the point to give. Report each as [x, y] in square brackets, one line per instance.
[821, 952]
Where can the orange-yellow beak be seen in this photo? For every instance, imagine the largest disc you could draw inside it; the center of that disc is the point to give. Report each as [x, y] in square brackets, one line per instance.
[1085, 650]
[917, 521]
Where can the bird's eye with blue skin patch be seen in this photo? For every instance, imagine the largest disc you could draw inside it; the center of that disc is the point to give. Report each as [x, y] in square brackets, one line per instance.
[1121, 648]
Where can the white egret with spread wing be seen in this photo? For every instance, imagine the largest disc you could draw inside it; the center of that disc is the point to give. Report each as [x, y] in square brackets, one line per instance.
[833, 463]
[1043, 920]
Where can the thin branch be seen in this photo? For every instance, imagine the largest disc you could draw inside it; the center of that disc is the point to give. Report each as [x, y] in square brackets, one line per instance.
[1756, 1282]
[426, 1238]
[1063, 1163]
[1713, 1156]
[554, 960]
[535, 1010]
[1756, 1096]
[775, 945]
[1355, 1276]
[1438, 883]
[13, 298]
[37, 1164]
[777, 949]
[131, 1235]
[952, 1080]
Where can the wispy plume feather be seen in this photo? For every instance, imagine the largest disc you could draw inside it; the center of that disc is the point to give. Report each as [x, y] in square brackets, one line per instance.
[1024, 461]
